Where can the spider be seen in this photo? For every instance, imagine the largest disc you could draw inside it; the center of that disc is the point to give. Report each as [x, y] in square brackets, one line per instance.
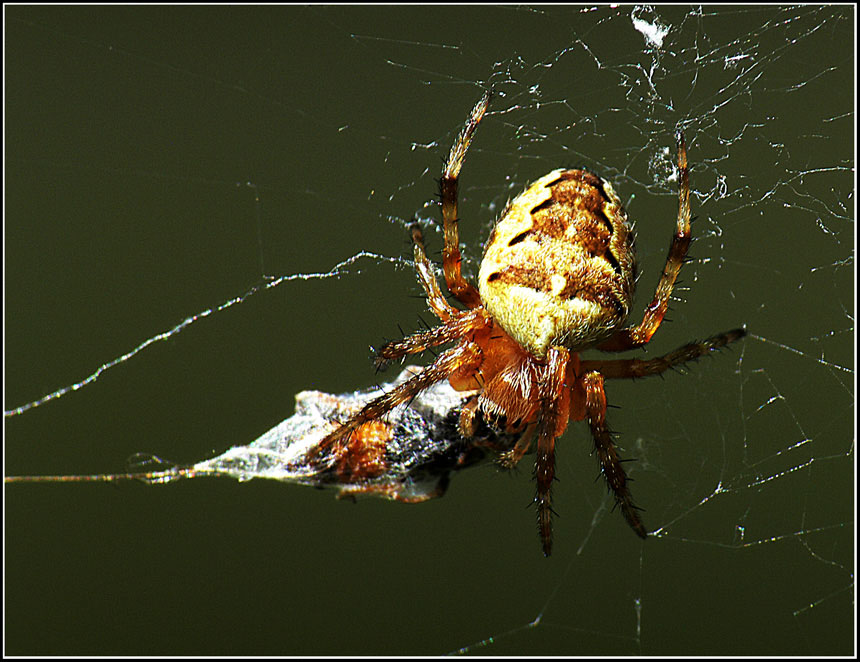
[557, 278]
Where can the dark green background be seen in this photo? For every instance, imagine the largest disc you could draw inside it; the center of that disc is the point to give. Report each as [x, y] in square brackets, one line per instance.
[131, 133]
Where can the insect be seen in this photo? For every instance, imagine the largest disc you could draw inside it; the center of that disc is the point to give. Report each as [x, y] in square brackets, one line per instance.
[557, 278]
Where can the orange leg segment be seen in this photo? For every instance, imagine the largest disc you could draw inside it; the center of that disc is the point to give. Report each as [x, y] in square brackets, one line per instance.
[458, 286]
[448, 361]
[555, 414]
[632, 368]
[607, 454]
[435, 300]
[655, 312]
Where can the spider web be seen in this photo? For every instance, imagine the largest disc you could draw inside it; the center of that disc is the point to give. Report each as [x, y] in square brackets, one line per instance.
[162, 162]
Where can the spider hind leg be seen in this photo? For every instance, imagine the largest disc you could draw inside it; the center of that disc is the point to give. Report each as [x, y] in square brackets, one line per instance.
[607, 454]
[555, 413]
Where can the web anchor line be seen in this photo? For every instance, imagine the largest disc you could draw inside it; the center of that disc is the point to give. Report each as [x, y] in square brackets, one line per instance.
[266, 284]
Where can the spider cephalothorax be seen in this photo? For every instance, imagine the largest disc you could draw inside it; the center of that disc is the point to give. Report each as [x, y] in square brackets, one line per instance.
[557, 278]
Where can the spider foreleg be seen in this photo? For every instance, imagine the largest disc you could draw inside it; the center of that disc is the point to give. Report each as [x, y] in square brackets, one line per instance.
[632, 368]
[655, 312]
[448, 185]
[427, 278]
[454, 329]
[553, 420]
[607, 454]
[447, 362]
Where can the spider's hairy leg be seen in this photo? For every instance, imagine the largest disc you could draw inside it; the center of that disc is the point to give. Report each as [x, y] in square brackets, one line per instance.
[554, 415]
[435, 300]
[510, 459]
[448, 185]
[610, 463]
[655, 312]
[468, 423]
[464, 354]
[632, 368]
[453, 329]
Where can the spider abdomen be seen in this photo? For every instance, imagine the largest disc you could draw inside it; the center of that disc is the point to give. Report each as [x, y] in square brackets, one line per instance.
[559, 266]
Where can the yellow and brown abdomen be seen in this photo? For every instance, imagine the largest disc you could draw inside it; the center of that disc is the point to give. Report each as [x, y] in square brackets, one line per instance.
[559, 266]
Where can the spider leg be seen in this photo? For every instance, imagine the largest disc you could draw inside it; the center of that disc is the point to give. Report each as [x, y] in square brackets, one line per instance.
[637, 336]
[453, 329]
[435, 300]
[632, 368]
[447, 362]
[553, 421]
[448, 185]
[510, 459]
[610, 463]
[456, 323]
[467, 424]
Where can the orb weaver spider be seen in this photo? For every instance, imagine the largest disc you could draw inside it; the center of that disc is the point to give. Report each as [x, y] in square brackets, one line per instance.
[557, 278]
